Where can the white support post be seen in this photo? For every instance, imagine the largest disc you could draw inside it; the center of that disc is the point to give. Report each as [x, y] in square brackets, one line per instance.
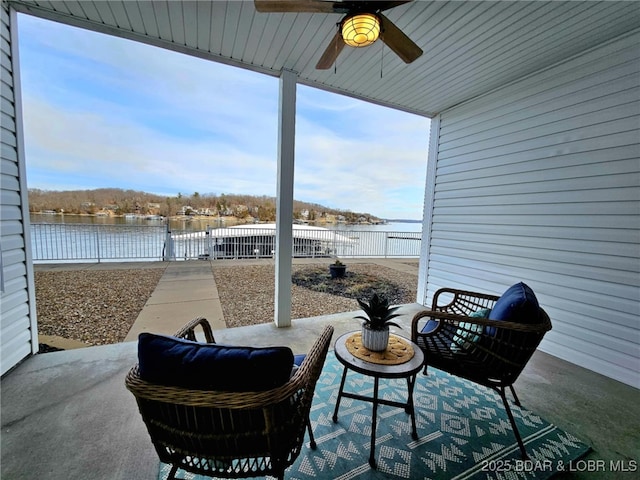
[427, 214]
[284, 198]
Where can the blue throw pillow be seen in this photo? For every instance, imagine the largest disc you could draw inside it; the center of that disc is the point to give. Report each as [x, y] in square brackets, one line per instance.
[177, 362]
[468, 333]
[518, 304]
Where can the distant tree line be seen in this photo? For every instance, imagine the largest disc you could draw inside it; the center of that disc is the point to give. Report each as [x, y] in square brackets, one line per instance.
[121, 202]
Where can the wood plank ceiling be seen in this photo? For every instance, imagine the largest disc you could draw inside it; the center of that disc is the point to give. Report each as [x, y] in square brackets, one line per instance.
[470, 48]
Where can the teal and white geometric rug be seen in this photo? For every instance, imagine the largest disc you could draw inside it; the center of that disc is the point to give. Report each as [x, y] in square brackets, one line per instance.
[463, 433]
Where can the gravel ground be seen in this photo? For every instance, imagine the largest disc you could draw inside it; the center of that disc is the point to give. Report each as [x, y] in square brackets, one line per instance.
[247, 293]
[99, 306]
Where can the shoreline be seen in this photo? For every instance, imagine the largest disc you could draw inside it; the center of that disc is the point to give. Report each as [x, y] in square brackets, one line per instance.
[226, 220]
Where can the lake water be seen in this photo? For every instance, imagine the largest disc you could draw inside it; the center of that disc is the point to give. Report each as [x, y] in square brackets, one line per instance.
[200, 224]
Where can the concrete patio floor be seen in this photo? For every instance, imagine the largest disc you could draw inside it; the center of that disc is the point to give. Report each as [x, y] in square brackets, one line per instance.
[67, 415]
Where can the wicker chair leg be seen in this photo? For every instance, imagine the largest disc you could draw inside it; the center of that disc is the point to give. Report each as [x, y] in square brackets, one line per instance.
[172, 473]
[312, 440]
[512, 420]
[515, 397]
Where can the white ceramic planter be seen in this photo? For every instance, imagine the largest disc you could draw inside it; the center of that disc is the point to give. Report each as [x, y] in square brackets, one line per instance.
[375, 340]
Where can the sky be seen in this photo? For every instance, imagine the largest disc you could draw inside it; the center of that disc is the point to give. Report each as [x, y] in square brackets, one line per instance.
[104, 112]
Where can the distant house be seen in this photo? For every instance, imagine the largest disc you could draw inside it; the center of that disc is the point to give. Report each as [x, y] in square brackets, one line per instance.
[241, 210]
[187, 210]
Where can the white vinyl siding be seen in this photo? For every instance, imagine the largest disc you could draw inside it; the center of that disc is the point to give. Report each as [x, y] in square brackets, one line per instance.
[540, 182]
[17, 329]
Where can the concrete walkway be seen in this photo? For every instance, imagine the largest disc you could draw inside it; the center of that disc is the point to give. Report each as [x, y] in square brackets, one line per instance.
[186, 290]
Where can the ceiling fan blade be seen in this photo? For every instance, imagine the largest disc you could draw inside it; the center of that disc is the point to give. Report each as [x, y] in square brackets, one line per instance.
[397, 41]
[294, 6]
[330, 55]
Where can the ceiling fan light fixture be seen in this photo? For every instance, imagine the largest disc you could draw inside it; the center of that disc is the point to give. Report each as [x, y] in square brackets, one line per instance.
[361, 29]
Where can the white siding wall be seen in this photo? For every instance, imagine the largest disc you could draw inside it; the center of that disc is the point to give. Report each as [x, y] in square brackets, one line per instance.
[540, 182]
[16, 283]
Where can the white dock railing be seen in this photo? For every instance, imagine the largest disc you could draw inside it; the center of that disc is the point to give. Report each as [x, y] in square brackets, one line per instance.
[56, 242]
[74, 242]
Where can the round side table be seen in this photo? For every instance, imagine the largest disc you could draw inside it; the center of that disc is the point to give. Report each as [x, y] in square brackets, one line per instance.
[407, 370]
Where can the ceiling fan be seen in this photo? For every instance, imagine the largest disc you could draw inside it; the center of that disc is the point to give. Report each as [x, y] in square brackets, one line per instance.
[362, 24]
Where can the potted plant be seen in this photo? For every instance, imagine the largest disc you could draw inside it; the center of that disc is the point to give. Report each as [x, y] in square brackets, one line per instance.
[375, 329]
[337, 269]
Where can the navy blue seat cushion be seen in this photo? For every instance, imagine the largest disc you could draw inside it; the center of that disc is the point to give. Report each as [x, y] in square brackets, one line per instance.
[298, 359]
[518, 304]
[430, 326]
[172, 361]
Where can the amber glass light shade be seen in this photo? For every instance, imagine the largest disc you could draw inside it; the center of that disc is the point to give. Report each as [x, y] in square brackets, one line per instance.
[361, 29]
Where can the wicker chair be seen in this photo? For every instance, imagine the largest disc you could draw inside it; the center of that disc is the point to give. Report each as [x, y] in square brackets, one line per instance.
[230, 434]
[492, 353]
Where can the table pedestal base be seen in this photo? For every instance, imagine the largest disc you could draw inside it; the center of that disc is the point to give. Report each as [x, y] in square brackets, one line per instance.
[408, 408]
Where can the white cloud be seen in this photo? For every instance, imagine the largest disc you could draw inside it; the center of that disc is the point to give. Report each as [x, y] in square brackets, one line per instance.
[89, 144]
[102, 111]
[366, 157]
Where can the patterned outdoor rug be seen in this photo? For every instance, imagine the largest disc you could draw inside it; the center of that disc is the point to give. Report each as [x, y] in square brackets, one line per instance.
[463, 430]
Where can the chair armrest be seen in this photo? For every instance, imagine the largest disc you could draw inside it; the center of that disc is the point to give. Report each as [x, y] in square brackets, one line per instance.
[463, 301]
[445, 318]
[314, 360]
[442, 318]
[188, 331]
